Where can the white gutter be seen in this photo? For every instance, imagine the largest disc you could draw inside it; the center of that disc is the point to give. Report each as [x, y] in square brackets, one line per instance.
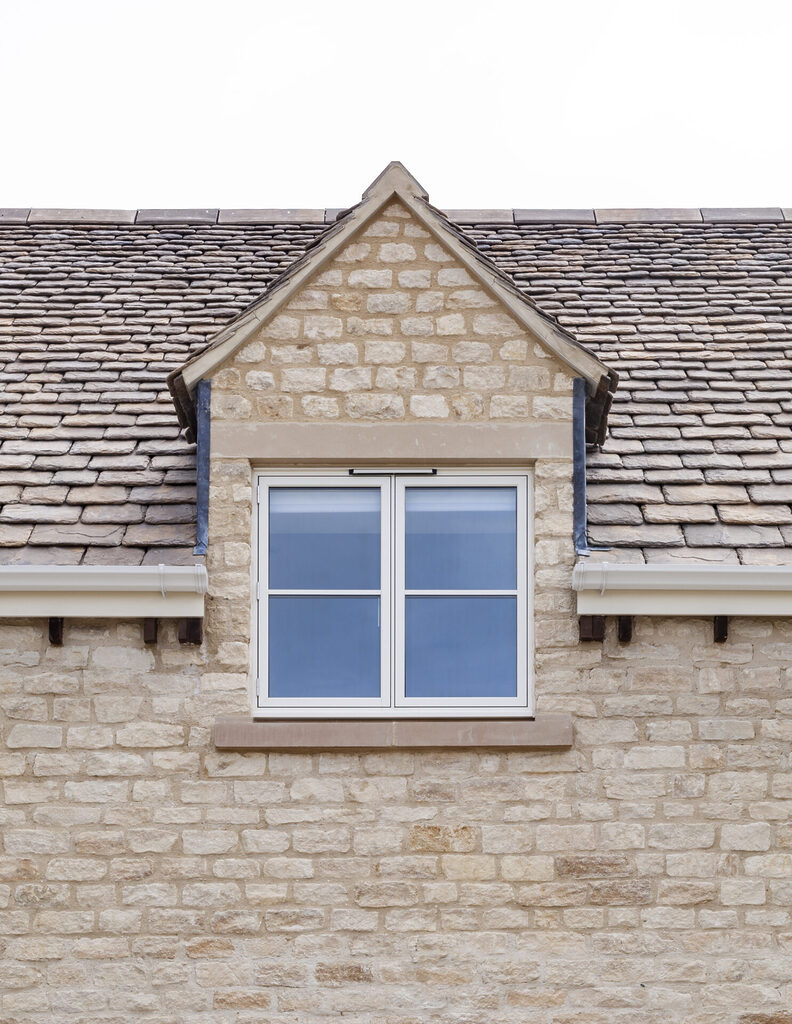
[610, 589]
[103, 591]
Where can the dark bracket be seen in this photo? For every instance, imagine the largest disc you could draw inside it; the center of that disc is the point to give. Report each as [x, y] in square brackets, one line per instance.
[720, 629]
[591, 627]
[190, 631]
[150, 629]
[625, 628]
[56, 632]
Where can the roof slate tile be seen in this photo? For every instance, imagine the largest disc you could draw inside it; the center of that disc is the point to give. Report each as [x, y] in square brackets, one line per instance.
[695, 317]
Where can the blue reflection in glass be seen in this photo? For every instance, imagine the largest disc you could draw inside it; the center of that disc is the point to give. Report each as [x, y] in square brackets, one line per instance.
[324, 538]
[461, 647]
[324, 647]
[461, 538]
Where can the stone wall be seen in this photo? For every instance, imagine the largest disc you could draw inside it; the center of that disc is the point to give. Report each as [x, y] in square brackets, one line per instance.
[393, 328]
[644, 875]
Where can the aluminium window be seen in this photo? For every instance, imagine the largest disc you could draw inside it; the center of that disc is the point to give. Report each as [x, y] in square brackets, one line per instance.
[393, 595]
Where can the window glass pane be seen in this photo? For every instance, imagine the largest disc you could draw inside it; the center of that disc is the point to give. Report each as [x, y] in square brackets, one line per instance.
[461, 538]
[461, 647]
[324, 647]
[324, 538]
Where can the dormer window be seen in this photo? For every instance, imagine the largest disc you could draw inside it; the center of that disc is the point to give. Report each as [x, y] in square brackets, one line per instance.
[393, 594]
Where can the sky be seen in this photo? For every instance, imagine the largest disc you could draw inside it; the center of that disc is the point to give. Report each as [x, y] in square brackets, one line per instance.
[503, 103]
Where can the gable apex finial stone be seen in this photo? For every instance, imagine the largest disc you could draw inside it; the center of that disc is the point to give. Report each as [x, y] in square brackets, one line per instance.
[396, 177]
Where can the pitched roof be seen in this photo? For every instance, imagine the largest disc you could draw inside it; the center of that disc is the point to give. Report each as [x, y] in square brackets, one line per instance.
[695, 316]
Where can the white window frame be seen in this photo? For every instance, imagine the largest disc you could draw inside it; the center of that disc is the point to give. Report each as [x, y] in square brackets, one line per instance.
[392, 702]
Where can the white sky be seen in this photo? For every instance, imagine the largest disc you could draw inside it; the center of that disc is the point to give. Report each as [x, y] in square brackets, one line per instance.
[252, 103]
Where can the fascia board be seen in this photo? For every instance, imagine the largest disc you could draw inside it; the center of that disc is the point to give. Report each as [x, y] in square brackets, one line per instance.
[687, 590]
[103, 591]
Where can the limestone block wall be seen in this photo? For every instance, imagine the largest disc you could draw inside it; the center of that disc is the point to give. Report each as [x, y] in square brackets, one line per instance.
[643, 876]
[393, 328]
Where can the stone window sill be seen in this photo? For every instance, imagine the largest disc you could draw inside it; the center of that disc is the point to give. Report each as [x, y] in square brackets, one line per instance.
[241, 734]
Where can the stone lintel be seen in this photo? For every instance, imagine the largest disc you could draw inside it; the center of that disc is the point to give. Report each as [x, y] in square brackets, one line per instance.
[388, 443]
[545, 730]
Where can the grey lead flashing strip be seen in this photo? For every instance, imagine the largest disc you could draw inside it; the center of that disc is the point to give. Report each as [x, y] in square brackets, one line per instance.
[203, 444]
[579, 465]
[209, 216]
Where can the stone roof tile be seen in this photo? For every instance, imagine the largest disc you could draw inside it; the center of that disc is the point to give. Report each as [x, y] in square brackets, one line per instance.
[695, 316]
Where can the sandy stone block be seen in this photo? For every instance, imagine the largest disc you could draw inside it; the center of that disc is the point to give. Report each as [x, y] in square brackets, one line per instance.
[150, 734]
[667, 917]
[468, 407]
[260, 380]
[34, 735]
[391, 378]
[355, 379]
[429, 352]
[547, 408]
[397, 252]
[415, 278]
[309, 379]
[443, 838]
[282, 328]
[452, 323]
[472, 352]
[386, 894]
[319, 407]
[510, 406]
[566, 837]
[529, 378]
[681, 836]
[354, 253]
[255, 352]
[441, 377]
[469, 298]
[226, 379]
[330, 278]
[357, 325]
[321, 840]
[755, 836]
[741, 891]
[230, 406]
[389, 302]
[347, 302]
[382, 228]
[417, 326]
[370, 279]
[726, 729]
[517, 349]
[653, 757]
[274, 407]
[354, 920]
[286, 355]
[209, 841]
[321, 328]
[384, 351]
[493, 324]
[484, 378]
[429, 302]
[384, 407]
[429, 406]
